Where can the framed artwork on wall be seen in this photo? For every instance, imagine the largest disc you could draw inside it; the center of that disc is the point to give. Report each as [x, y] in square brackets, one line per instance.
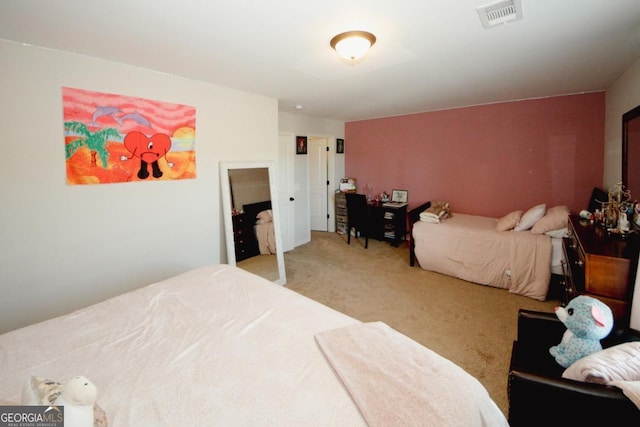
[112, 138]
[340, 146]
[301, 145]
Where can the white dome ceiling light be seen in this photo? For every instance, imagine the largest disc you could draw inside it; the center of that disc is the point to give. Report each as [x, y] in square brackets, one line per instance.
[353, 45]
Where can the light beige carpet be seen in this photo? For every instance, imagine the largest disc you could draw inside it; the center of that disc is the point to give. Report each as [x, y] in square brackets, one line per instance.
[472, 325]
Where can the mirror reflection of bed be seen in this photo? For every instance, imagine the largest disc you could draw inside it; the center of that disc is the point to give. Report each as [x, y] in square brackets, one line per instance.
[250, 219]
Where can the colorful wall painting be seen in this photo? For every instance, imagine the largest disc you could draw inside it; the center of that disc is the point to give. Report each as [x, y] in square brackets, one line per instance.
[114, 138]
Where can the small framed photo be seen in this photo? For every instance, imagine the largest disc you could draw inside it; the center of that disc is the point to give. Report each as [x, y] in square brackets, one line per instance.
[400, 196]
[301, 145]
[340, 146]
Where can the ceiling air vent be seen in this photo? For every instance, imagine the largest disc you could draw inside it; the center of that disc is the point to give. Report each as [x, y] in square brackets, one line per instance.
[500, 13]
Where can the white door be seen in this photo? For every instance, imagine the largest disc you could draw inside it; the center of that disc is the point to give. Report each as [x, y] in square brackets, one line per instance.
[286, 205]
[318, 185]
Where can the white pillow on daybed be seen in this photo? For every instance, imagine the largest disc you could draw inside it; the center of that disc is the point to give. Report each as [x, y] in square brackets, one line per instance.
[530, 217]
[264, 217]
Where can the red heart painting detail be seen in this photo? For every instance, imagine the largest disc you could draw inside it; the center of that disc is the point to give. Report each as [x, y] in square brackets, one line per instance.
[145, 148]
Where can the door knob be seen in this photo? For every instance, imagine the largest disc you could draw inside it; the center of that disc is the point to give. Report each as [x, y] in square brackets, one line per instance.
[291, 199]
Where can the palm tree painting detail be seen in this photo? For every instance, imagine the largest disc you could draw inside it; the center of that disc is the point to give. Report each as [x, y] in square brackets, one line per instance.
[95, 141]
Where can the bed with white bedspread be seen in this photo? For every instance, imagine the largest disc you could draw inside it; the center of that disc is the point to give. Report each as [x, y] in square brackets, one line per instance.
[490, 251]
[220, 346]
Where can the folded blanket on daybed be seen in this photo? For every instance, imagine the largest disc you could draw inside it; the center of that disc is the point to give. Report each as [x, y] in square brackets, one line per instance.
[396, 381]
[437, 212]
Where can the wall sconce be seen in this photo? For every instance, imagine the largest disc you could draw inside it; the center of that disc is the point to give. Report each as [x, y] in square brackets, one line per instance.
[353, 45]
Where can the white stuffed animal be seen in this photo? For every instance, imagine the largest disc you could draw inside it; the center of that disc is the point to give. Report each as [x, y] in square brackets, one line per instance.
[78, 397]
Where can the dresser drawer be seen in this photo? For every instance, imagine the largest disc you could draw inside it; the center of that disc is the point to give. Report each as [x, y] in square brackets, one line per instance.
[607, 276]
[574, 265]
[567, 281]
[244, 238]
[574, 245]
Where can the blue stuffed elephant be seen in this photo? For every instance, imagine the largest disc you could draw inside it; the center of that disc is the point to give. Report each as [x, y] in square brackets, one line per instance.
[588, 320]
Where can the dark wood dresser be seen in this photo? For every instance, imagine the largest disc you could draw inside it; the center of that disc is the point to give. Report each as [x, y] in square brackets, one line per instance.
[244, 238]
[601, 265]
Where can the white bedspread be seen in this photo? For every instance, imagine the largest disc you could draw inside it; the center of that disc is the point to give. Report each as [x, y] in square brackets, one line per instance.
[470, 248]
[396, 381]
[215, 346]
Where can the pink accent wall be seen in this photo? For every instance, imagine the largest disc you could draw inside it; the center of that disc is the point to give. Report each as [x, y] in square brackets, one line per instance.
[485, 160]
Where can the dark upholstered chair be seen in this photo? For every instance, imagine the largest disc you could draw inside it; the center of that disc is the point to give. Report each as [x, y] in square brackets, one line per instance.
[539, 396]
[358, 217]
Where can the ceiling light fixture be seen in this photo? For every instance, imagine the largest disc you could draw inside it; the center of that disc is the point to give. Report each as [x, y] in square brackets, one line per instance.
[353, 45]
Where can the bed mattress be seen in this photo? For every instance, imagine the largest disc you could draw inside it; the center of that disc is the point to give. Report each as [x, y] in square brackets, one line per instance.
[221, 346]
[239, 348]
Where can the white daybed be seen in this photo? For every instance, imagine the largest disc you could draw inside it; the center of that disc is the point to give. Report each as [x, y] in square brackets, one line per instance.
[477, 249]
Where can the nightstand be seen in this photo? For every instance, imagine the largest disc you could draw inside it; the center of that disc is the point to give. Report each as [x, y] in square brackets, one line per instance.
[389, 223]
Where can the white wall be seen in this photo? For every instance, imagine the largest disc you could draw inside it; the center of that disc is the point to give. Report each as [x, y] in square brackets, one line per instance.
[298, 124]
[306, 125]
[621, 97]
[63, 246]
